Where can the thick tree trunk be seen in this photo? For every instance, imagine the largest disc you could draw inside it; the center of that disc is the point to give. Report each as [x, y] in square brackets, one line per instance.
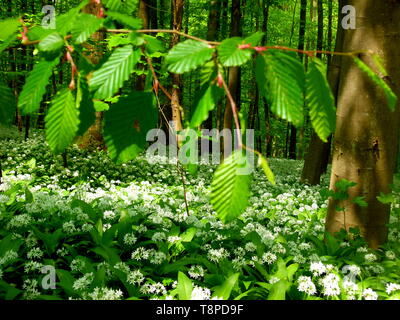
[366, 136]
[317, 158]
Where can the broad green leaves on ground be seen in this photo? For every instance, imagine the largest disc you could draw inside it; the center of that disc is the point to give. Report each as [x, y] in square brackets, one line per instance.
[35, 86]
[184, 287]
[230, 187]
[187, 56]
[320, 100]
[116, 70]
[127, 124]
[62, 121]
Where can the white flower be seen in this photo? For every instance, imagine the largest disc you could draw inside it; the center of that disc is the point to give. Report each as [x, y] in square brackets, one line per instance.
[105, 294]
[135, 277]
[317, 268]
[370, 257]
[196, 272]
[369, 294]
[390, 255]
[199, 293]
[330, 285]
[306, 285]
[390, 287]
[269, 258]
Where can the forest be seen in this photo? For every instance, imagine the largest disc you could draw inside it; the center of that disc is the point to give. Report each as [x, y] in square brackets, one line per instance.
[199, 150]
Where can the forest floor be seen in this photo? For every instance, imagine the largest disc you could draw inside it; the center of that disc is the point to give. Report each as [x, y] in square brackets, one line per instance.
[119, 232]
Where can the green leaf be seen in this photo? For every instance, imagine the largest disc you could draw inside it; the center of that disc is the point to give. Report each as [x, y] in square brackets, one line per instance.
[52, 43]
[127, 124]
[88, 24]
[320, 100]
[114, 72]
[124, 6]
[153, 45]
[231, 55]
[230, 187]
[390, 95]
[67, 21]
[85, 105]
[187, 56]
[208, 98]
[8, 104]
[284, 78]
[360, 201]
[128, 21]
[8, 27]
[224, 291]
[254, 39]
[62, 121]
[8, 42]
[267, 170]
[100, 106]
[386, 198]
[184, 287]
[35, 86]
[278, 290]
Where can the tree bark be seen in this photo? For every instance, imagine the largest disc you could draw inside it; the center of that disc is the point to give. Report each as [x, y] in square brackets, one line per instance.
[317, 158]
[366, 137]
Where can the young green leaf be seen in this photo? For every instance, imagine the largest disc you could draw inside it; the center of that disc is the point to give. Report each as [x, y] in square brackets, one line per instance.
[88, 24]
[123, 6]
[62, 121]
[230, 188]
[35, 86]
[207, 99]
[52, 43]
[254, 39]
[128, 21]
[390, 95]
[127, 123]
[115, 71]
[231, 55]
[184, 287]
[267, 170]
[187, 56]
[320, 100]
[65, 22]
[8, 104]
[8, 27]
[284, 78]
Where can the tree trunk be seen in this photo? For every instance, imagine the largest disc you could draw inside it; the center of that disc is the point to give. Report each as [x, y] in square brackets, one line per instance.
[366, 137]
[317, 158]
[177, 20]
[234, 72]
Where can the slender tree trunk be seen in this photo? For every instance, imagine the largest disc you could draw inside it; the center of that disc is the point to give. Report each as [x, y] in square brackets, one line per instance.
[366, 136]
[317, 158]
[234, 72]
[329, 35]
[144, 14]
[177, 20]
[302, 32]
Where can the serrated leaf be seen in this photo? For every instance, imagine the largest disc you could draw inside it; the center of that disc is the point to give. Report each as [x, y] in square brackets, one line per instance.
[88, 24]
[8, 104]
[8, 27]
[231, 55]
[153, 45]
[115, 71]
[35, 86]
[284, 80]
[390, 95]
[187, 56]
[62, 121]
[100, 106]
[84, 103]
[254, 39]
[320, 100]
[124, 6]
[230, 187]
[184, 287]
[65, 22]
[51, 43]
[8, 42]
[128, 21]
[206, 101]
[127, 124]
[263, 163]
